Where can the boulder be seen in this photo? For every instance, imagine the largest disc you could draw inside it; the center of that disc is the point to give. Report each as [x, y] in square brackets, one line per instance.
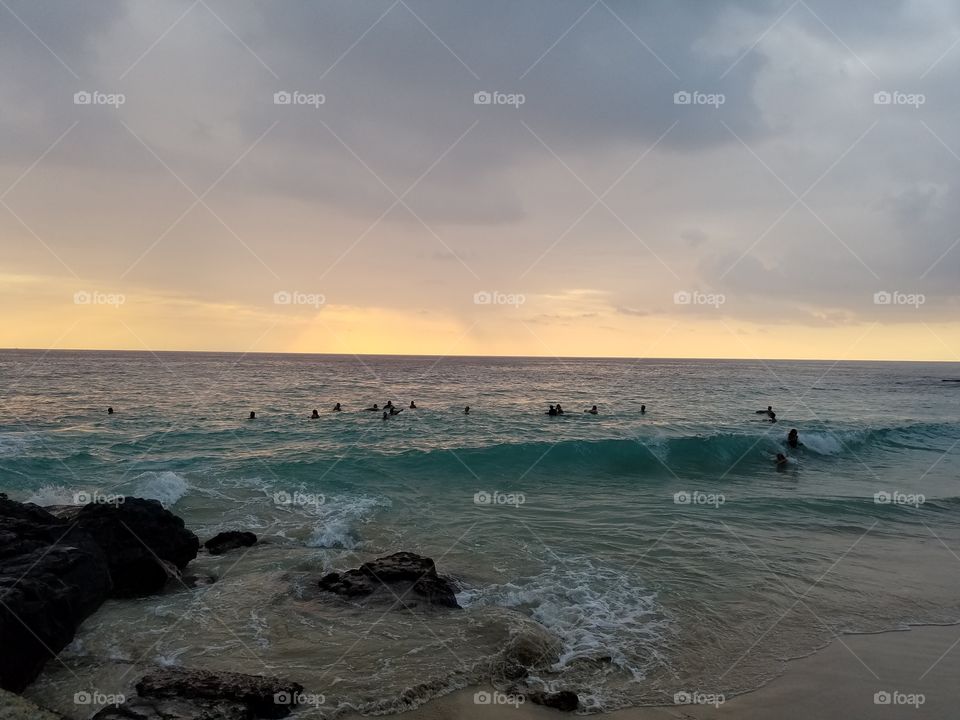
[404, 579]
[174, 693]
[138, 537]
[565, 700]
[229, 540]
[14, 707]
[52, 576]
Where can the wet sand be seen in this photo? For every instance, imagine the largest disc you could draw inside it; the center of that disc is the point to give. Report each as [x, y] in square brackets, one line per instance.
[840, 681]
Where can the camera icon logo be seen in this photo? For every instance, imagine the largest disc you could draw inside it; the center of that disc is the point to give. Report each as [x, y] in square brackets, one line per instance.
[682, 298]
[882, 298]
[82, 698]
[482, 698]
[482, 98]
[681, 498]
[882, 98]
[282, 97]
[882, 698]
[482, 298]
[82, 498]
[482, 497]
[682, 698]
[882, 498]
[282, 498]
[682, 98]
[282, 297]
[282, 698]
[82, 98]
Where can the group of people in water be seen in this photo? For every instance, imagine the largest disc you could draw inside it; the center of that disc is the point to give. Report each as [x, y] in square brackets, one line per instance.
[793, 437]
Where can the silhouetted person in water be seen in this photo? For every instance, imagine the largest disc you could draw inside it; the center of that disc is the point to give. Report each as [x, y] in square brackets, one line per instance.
[552, 412]
[386, 416]
[793, 439]
[253, 415]
[389, 405]
[315, 415]
[109, 411]
[559, 409]
[643, 409]
[394, 411]
[375, 408]
[413, 405]
[466, 410]
[592, 411]
[781, 460]
[337, 408]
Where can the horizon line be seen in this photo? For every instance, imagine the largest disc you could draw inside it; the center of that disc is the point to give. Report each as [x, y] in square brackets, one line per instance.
[473, 357]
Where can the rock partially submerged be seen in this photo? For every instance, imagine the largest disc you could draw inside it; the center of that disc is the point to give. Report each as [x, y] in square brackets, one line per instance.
[404, 579]
[174, 693]
[565, 700]
[52, 576]
[138, 537]
[229, 540]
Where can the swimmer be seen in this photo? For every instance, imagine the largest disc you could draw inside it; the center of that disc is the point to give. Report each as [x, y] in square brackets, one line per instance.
[559, 409]
[772, 415]
[386, 416]
[394, 411]
[552, 411]
[253, 415]
[781, 460]
[109, 411]
[337, 408]
[592, 411]
[316, 415]
[466, 410]
[643, 409]
[413, 405]
[389, 404]
[793, 439]
[375, 408]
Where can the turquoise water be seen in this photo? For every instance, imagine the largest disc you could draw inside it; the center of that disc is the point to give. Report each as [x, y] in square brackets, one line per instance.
[588, 542]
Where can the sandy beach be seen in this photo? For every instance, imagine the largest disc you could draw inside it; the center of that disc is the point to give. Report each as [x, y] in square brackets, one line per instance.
[839, 681]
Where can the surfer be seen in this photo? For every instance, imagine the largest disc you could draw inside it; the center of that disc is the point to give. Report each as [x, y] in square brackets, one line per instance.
[316, 414]
[466, 410]
[394, 411]
[375, 408]
[337, 408]
[389, 405]
[413, 405]
[552, 412]
[559, 409]
[109, 411]
[793, 439]
[253, 415]
[592, 411]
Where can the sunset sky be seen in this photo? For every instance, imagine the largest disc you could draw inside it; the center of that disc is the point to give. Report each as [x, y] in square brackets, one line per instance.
[158, 193]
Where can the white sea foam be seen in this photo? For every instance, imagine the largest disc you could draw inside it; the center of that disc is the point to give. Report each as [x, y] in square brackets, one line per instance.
[597, 612]
[53, 495]
[166, 486]
[337, 519]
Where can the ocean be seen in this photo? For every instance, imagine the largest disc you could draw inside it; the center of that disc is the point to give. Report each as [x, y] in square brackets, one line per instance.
[655, 553]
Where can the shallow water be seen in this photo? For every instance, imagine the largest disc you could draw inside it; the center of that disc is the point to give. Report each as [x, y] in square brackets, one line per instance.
[587, 538]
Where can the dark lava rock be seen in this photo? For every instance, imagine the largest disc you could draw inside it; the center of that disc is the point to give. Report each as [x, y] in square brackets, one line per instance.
[139, 708]
[136, 535]
[403, 578]
[52, 576]
[266, 697]
[229, 540]
[565, 700]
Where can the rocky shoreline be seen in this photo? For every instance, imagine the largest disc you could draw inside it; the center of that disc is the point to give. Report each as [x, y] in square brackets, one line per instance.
[59, 564]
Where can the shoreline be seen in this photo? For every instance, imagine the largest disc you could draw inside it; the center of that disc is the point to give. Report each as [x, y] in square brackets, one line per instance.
[916, 667]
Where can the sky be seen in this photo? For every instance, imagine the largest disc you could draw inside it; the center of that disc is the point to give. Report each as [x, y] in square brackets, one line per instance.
[668, 178]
